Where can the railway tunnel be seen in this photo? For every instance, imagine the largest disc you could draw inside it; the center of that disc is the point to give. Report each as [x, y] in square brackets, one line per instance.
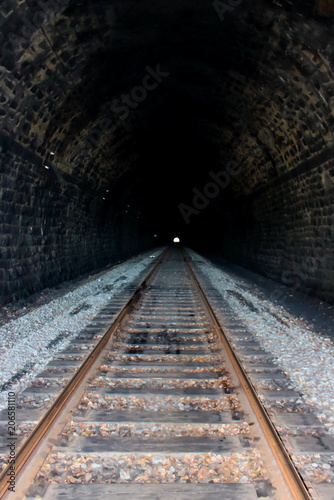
[125, 124]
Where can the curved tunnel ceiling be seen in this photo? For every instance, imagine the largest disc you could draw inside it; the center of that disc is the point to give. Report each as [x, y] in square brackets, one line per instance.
[140, 101]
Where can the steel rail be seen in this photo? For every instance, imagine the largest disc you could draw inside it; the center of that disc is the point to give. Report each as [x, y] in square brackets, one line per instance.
[288, 472]
[44, 427]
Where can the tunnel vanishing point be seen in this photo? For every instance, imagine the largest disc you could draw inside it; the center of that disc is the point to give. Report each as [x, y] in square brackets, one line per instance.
[125, 123]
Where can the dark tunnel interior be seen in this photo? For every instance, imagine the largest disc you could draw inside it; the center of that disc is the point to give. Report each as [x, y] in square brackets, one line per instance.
[126, 123]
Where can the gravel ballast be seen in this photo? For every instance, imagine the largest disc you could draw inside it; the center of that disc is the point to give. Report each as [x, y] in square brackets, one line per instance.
[30, 340]
[306, 356]
[38, 333]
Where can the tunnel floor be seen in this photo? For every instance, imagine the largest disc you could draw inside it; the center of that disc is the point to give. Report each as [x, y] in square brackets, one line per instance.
[298, 330]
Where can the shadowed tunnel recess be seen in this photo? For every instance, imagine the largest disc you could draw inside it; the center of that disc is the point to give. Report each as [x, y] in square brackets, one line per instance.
[122, 120]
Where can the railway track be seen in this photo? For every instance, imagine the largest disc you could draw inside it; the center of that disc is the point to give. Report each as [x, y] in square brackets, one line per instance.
[161, 408]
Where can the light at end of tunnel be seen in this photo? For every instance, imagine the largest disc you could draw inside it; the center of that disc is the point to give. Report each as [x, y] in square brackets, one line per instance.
[176, 240]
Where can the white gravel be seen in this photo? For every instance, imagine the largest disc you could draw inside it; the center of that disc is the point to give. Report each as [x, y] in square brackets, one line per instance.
[24, 341]
[304, 355]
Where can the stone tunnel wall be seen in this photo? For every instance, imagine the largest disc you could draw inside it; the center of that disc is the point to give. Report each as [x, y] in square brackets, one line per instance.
[52, 229]
[281, 223]
[279, 129]
[286, 231]
[57, 222]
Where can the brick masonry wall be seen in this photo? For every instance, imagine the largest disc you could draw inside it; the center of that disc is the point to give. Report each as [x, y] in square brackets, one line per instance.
[52, 230]
[277, 215]
[60, 222]
[287, 232]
